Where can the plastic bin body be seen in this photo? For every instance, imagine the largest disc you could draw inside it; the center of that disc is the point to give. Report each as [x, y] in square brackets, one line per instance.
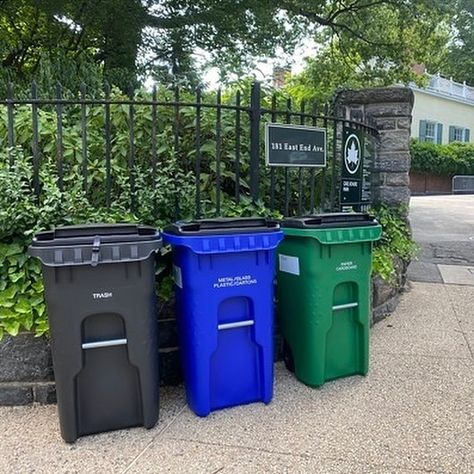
[324, 302]
[224, 297]
[104, 333]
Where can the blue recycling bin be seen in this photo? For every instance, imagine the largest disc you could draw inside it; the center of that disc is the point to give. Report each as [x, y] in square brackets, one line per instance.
[223, 272]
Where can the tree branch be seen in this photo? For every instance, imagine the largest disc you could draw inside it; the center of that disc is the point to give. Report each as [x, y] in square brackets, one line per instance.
[178, 21]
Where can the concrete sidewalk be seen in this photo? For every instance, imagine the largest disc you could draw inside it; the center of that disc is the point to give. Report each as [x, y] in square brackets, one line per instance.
[414, 412]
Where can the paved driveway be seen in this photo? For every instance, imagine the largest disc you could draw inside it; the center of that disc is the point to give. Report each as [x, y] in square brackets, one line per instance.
[443, 226]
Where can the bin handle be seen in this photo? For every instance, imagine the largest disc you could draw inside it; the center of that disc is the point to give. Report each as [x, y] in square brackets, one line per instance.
[108, 343]
[95, 251]
[237, 324]
[340, 307]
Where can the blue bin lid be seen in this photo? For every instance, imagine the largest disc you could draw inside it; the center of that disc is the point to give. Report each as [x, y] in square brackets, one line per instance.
[222, 226]
[330, 221]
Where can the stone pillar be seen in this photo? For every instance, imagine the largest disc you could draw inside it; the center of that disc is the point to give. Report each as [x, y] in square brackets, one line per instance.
[389, 109]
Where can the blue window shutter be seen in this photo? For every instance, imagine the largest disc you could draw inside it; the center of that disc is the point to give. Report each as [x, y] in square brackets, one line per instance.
[467, 134]
[439, 133]
[422, 133]
[451, 133]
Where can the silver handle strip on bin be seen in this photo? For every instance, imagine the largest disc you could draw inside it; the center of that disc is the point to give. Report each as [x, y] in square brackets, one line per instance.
[109, 343]
[238, 324]
[339, 307]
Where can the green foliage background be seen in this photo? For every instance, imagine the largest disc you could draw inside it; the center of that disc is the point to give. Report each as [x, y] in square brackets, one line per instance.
[395, 244]
[22, 214]
[444, 160]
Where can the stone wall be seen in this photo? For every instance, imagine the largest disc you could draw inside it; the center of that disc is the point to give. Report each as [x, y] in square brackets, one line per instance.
[26, 373]
[389, 109]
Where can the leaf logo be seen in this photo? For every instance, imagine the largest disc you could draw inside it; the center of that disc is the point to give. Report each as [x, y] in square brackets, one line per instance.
[352, 153]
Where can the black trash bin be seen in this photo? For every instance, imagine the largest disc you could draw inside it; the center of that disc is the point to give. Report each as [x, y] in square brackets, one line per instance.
[100, 294]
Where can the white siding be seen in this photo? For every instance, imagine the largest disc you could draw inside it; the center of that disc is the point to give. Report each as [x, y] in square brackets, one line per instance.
[442, 110]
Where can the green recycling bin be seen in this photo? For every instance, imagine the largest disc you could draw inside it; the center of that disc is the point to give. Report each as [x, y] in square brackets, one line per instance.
[324, 289]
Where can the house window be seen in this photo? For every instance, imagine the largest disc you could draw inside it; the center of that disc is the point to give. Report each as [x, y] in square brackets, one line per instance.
[431, 131]
[430, 134]
[458, 134]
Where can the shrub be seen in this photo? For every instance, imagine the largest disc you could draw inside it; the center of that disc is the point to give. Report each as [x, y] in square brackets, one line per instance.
[21, 215]
[446, 160]
[395, 243]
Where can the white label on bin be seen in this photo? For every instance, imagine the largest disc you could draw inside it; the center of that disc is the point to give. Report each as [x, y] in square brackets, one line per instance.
[103, 295]
[177, 276]
[289, 264]
[344, 266]
[240, 280]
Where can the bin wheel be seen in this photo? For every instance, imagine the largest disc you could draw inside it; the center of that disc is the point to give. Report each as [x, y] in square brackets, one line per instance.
[288, 357]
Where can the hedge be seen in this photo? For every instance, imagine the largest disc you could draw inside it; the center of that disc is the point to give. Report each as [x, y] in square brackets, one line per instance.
[445, 160]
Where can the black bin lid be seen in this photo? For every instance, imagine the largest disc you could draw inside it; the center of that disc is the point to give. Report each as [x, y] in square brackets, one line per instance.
[223, 225]
[85, 234]
[328, 221]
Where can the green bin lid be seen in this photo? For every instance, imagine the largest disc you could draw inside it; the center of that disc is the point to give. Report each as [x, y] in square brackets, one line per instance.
[328, 221]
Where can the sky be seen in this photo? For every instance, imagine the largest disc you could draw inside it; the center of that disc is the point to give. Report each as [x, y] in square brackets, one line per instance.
[263, 70]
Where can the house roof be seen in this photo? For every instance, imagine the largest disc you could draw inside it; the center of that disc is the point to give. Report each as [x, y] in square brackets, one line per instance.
[447, 88]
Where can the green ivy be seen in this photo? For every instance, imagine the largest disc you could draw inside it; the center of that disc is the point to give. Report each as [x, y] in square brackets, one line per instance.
[445, 160]
[395, 243]
[22, 215]
[21, 292]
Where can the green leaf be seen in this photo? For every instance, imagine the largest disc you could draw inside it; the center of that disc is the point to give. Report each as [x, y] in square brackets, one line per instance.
[14, 249]
[37, 300]
[7, 313]
[23, 306]
[9, 293]
[14, 277]
[12, 327]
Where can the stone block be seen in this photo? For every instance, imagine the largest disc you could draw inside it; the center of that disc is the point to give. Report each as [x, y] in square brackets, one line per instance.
[404, 123]
[12, 394]
[382, 291]
[386, 124]
[356, 113]
[376, 95]
[378, 111]
[396, 179]
[44, 393]
[394, 140]
[393, 162]
[25, 358]
[386, 309]
[393, 195]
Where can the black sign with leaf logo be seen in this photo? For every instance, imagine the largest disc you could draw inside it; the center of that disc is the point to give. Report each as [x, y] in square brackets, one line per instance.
[355, 173]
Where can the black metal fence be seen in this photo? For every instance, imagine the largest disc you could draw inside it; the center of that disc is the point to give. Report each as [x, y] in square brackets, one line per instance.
[237, 135]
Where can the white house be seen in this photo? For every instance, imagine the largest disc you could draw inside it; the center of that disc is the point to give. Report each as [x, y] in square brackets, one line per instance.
[443, 111]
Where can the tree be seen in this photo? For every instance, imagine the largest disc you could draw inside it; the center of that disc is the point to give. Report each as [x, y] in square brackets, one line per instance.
[380, 49]
[459, 60]
[132, 37]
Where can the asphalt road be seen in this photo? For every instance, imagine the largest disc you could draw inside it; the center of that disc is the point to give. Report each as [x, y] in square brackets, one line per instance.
[443, 226]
